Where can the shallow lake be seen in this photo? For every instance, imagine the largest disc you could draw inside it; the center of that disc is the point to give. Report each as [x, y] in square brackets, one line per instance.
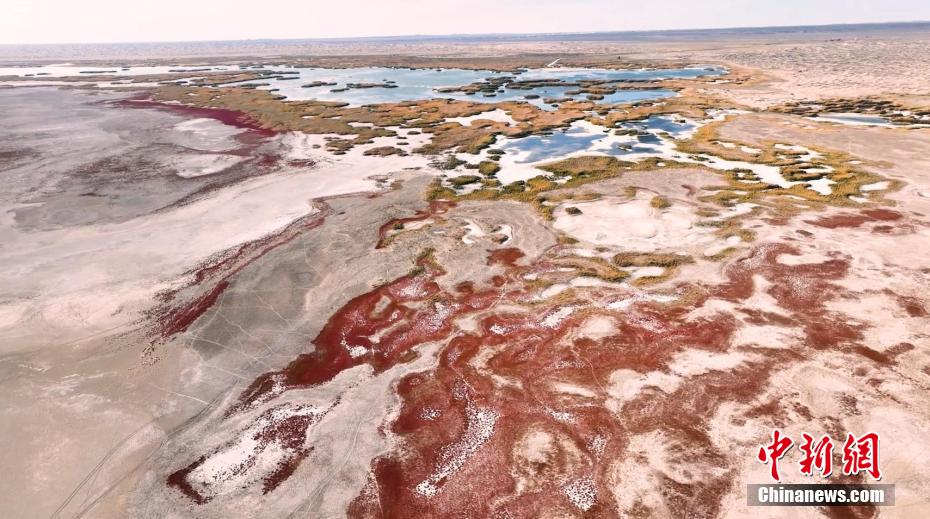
[585, 137]
[412, 85]
[406, 84]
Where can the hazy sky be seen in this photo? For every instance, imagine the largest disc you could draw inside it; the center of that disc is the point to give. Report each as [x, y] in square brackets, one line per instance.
[68, 21]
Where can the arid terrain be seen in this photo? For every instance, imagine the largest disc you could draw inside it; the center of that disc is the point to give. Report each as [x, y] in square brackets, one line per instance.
[492, 278]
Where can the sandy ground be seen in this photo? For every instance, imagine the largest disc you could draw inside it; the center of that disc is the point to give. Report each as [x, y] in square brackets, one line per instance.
[837, 68]
[79, 272]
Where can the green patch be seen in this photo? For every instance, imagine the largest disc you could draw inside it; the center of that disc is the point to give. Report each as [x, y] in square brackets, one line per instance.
[488, 168]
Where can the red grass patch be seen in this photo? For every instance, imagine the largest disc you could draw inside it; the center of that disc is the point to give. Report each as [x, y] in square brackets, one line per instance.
[849, 220]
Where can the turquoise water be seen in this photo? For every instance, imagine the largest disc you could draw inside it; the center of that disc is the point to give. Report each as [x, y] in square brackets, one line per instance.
[586, 138]
[413, 85]
[536, 148]
[408, 85]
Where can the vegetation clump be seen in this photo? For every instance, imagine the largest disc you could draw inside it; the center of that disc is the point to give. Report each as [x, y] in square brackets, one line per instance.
[660, 202]
[316, 84]
[587, 166]
[384, 151]
[488, 168]
[592, 267]
[447, 162]
[651, 259]
[891, 111]
[463, 180]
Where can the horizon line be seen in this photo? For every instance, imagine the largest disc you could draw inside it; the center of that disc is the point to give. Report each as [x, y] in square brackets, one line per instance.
[476, 35]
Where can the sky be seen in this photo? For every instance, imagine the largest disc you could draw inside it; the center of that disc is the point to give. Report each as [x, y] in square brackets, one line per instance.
[106, 21]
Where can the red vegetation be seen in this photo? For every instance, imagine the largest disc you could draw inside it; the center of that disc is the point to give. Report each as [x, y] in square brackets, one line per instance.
[507, 257]
[856, 219]
[435, 418]
[378, 328]
[465, 426]
[228, 117]
[178, 480]
[913, 306]
[281, 429]
[178, 319]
